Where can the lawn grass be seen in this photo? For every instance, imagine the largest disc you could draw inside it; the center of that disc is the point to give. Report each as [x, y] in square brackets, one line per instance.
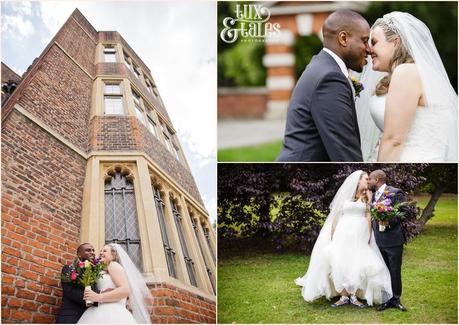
[259, 288]
[263, 152]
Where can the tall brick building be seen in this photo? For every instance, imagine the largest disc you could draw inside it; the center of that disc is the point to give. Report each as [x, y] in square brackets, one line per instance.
[89, 154]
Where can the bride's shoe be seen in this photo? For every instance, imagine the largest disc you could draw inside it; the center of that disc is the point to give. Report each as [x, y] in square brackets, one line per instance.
[354, 301]
[341, 302]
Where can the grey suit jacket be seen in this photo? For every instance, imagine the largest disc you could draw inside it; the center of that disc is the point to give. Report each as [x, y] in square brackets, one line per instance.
[393, 235]
[321, 119]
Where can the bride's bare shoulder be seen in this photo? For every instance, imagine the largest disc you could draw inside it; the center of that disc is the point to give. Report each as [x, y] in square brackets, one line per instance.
[406, 71]
[114, 266]
[406, 78]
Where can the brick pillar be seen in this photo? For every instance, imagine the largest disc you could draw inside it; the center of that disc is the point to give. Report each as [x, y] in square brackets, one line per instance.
[279, 59]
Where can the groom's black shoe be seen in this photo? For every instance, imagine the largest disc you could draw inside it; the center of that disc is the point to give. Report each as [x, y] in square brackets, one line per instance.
[384, 306]
[399, 306]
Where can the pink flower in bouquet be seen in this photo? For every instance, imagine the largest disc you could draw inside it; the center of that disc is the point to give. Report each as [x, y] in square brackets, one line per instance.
[73, 275]
[80, 264]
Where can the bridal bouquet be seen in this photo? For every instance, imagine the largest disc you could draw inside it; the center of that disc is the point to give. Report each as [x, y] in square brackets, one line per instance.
[384, 210]
[84, 273]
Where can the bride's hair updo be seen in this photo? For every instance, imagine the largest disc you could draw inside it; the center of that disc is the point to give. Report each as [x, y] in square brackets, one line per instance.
[114, 252]
[364, 198]
[400, 56]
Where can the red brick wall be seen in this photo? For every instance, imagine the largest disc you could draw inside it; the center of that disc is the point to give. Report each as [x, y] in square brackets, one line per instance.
[59, 94]
[241, 104]
[175, 305]
[42, 185]
[78, 44]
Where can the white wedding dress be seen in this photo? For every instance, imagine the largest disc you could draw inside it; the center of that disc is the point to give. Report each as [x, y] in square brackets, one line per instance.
[348, 261]
[427, 138]
[107, 312]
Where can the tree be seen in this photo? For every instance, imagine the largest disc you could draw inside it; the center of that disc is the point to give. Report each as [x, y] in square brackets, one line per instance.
[440, 179]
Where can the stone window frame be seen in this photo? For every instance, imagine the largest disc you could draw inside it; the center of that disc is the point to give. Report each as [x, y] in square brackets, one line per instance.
[113, 95]
[170, 140]
[139, 107]
[197, 221]
[127, 61]
[112, 53]
[144, 172]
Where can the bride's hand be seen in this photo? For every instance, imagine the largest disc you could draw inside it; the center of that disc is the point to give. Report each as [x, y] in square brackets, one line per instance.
[91, 295]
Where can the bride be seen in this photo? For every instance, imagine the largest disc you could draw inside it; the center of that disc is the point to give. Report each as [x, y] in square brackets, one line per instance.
[408, 110]
[345, 259]
[125, 280]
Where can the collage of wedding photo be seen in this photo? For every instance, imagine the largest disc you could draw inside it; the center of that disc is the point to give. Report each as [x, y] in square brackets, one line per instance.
[229, 162]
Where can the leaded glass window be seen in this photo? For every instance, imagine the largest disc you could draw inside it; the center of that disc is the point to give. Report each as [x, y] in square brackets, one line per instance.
[121, 225]
[168, 250]
[208, 270]
[188, 260]
[206, 235]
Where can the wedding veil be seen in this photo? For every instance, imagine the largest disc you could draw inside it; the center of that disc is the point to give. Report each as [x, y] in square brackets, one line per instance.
[438, 92]
[140, 299]
[317, 282]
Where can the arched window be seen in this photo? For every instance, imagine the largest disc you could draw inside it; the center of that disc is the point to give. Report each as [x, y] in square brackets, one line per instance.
[121, 225]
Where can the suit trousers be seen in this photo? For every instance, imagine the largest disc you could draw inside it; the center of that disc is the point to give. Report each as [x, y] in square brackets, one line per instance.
[393, 258]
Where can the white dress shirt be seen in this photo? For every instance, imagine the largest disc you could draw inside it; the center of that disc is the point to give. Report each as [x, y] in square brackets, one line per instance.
[379, 192]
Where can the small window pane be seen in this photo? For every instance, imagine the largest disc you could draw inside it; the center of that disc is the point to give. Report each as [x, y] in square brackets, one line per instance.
[127, 65]
[136, 98]
[110, 57]
[113, 105]
[109, 49]
[112, 89]
[152, 126]
[137, 73]
[109, 54]
[139, 114]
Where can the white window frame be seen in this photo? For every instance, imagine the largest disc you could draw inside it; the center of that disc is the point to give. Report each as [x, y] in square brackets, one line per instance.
[111, 51]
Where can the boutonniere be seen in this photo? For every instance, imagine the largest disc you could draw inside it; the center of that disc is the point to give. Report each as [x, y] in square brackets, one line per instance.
[358, 86]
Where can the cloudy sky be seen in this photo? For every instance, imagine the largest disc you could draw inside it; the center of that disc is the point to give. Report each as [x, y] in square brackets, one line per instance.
[176, 40]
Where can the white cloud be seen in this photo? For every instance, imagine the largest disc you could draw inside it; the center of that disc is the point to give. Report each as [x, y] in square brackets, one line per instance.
[21, 7]
[16, 27]
[55, 13]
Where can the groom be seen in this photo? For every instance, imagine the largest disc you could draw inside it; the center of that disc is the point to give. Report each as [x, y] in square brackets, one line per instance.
[391, 240]
[73, 305]
[321, 119]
